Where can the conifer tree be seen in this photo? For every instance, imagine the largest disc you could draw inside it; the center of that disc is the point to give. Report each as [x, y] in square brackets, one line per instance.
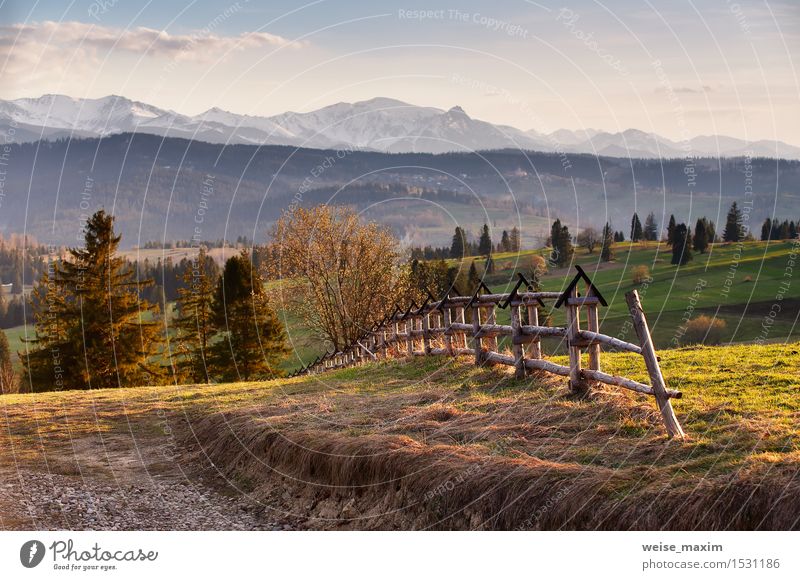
[93, 330]
[607, 244]
[253, 339]
[700, 243]
[733, 231]
[458, 248]
[485, 241]
[636, 228]
[515, 239]
[505, 242]
[681, 245]
[194, 326]
[671, 230]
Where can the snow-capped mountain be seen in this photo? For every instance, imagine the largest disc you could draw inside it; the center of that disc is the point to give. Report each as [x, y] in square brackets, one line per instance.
[380, 124]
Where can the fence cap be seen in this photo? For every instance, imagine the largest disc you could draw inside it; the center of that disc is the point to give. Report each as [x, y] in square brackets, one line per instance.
[480, 287]
[581, 275]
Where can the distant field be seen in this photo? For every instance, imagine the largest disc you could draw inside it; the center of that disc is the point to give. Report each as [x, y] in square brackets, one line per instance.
[738, 284]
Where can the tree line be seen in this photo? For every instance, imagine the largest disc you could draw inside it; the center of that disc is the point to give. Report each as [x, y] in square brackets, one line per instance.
[93, 327]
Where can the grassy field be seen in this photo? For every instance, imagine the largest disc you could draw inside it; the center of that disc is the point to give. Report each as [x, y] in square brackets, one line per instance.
[739, 284]
[439, 443]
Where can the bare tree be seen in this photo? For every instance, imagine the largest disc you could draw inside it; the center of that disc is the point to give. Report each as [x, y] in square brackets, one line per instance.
[589, 238]
[338, 274]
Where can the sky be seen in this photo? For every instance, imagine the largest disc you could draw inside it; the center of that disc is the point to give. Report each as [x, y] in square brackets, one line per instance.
[678, 68]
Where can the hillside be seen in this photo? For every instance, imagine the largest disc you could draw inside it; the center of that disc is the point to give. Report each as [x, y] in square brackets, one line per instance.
[429, 444]
[176, 189]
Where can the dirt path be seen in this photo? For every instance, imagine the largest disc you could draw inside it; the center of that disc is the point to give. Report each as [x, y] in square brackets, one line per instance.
[103, 481]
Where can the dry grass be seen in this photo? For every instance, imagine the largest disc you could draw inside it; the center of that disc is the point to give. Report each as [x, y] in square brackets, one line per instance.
[440, 444]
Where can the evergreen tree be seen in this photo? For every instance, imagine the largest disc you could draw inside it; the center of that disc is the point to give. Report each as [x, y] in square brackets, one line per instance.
[636, 228]
[700, 243]
[458, 249]
[733, 225]
[194, 325]
[505, 242]
[792, 230]
[671, 230]
[766, 230]
[681, 245]
[485, 242]
[561, 242]
[515, 239]
[253, 338]
[607, 244]
[650, 228]
[473, 278]
[93, 329]
[489, 264]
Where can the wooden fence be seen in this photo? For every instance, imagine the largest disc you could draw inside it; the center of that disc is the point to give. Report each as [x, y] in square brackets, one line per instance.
[441, 327]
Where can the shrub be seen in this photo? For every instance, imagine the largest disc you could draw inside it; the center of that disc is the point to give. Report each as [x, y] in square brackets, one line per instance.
[704, 330]
[640, 275]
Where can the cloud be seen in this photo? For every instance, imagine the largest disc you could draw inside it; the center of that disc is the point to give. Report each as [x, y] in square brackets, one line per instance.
[35, 49]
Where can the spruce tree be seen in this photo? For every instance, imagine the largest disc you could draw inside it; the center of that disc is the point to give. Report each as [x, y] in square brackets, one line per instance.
[194, 326]
[636, 228]
[515, 239]
[505, 242]
[681, 245]
[700, 243]
[92, 328]
[671, 230]
[733, 225]
[473, 278]
[766, 230]
[485, 242]
[607, 241]
[253, 340]
[565, 249]
[458, 248]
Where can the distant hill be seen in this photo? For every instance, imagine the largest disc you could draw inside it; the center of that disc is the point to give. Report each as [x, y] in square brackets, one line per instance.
[170, 188]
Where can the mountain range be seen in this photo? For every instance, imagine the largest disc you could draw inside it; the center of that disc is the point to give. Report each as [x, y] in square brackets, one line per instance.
[379, 124]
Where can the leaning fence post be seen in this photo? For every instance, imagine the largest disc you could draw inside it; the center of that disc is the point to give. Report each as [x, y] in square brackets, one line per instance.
[476, 326]
[576, 382]
[533, 320]
[593, 322]
[426, 333]
[651, 362]
[517, 348]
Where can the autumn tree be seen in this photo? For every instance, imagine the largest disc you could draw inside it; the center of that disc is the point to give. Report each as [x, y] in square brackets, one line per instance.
[8, 383]
[339, 274]
[589, 239]
[92, 328]
[253, 340]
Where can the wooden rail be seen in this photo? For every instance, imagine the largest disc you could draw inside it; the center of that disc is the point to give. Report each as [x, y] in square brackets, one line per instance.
[440, 327]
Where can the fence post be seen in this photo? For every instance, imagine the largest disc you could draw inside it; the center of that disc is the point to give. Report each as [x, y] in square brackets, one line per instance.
[593, 322]
[448, 338]
[576, 382]
[477, 342]
[461, 316]
[426, 332]
[491, 341]
[410, 339]
[517, 348]
[651, 362]
[533, 320]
